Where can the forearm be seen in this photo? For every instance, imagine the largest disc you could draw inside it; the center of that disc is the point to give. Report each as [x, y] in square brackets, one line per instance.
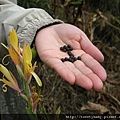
[25, 21]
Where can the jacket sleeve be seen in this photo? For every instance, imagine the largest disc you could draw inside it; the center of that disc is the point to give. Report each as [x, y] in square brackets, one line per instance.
[25, 21]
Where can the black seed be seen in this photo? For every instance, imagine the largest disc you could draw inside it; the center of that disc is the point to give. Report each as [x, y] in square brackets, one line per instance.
[66, 59]
[70, 59]
[79, 58]
[72, 55]
[64, 47]
[69, 53]
[75, 58]
[69, 46]
[70, 49]
[62, 59]
[64, 50]
[67, 49]
[61, 48]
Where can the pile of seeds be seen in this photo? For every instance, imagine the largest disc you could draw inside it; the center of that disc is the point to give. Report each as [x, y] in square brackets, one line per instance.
[71, 58]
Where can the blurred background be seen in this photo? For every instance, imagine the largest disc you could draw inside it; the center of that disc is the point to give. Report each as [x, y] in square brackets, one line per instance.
[100, 20]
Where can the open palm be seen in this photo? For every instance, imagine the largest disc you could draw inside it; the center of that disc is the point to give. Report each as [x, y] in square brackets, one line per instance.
[87, 72]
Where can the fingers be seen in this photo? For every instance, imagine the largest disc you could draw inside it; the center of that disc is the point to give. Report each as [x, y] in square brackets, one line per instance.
[89, 48]
[90, 63]
[79, 73]
[84, 76]
[88, 72]
[80, 79]
[94, 66]
[62, 70]
[97, 83]
[70, 73]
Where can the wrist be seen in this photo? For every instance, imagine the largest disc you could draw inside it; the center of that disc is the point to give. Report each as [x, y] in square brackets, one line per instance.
[33, 43]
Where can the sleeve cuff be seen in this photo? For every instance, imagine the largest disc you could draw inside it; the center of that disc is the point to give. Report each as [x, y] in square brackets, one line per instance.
[29, 32]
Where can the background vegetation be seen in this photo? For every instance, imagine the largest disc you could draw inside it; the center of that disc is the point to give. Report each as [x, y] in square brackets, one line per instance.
[100, 20]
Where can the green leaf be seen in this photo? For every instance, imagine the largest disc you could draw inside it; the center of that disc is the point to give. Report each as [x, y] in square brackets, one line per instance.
[34, 53]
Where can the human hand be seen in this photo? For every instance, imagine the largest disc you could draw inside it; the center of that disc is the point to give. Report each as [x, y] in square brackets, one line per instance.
[87, 72]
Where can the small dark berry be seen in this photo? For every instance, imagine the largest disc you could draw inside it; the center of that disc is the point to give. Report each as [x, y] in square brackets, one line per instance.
[70, 59]
[67, 49]
[69, 46]
[74, 58]
[64, 50]
[66, 59]
[72, 55]
[62, 59]
[70, 49]
[69, 53]
[64, 46]
[79, 58]
[61, 48]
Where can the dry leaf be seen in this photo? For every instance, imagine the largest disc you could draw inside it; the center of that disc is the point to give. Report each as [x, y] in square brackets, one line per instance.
[97, 108]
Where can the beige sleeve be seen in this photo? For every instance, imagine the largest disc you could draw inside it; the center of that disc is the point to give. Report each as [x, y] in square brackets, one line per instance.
[25, 21]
